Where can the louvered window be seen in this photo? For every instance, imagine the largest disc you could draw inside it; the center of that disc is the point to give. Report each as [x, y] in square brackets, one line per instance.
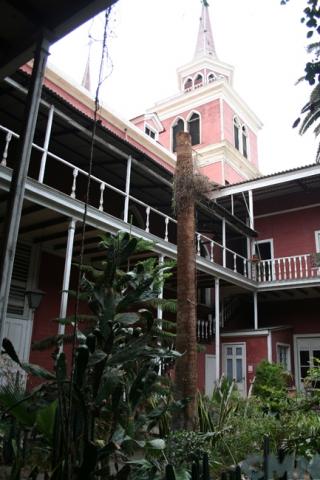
[17, 303]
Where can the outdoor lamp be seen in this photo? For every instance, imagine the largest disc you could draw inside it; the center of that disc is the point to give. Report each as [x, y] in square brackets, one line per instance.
[34, 298]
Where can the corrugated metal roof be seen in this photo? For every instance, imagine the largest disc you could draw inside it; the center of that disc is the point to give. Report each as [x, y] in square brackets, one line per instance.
[270, 175]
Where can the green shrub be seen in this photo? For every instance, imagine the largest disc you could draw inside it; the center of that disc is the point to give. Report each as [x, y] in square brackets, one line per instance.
[270, 385]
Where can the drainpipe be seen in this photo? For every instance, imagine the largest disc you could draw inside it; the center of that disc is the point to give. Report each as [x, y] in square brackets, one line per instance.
[255, 310]
[217, 324]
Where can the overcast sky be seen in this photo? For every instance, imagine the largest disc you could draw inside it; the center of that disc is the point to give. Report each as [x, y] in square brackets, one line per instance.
[149, 39]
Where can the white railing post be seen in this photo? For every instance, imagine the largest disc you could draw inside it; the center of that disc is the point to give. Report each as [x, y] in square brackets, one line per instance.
[224, 262]
[306, 265]
[102, 187]
[284, 269]
[295, 266]
[279, 277]
[211, 251]
[6, 148]
[74, 183]
[147, 219]
[234, 262]
[290, 269]
[46, 145]
[245, 267]
[198, 244]
[127, 197]
[166, 238]
[300, 266]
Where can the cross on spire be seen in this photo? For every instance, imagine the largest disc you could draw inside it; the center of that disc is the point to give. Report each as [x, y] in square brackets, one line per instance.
[205, 44]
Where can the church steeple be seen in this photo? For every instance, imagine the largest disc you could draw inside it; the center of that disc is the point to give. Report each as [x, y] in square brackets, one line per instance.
[205, 43]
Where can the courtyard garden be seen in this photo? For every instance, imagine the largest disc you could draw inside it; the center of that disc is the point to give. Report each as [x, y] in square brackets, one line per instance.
[108, 408]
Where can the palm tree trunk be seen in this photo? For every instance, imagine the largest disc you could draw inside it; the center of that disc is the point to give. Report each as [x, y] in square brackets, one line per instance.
[186, 377]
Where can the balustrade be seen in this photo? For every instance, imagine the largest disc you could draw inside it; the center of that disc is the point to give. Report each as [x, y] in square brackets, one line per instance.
[106, 197]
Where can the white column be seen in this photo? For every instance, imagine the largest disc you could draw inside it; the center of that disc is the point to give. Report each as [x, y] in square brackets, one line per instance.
[66, 275]
[160, 295]
[46, 144]
[160, 309]
[232, 205]
[224, 261]
[255, 309]
[251, 219]
[217, 324]
[269, 340]
[128, 179]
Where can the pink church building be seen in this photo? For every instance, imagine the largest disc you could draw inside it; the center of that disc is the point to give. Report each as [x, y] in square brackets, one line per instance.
[257, 240]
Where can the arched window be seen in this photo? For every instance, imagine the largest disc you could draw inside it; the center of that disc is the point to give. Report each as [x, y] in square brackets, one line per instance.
[176, 128]
[244, 142]
[194, 128]
[211, 77]
[188, 84]
[198, 81]
[236, 132]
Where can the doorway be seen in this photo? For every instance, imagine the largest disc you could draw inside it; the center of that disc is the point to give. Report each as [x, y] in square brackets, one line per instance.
[234, 364]
[210, 374]
[307, 356]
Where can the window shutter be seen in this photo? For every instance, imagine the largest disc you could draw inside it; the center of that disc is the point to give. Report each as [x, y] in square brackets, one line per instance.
[20, 274]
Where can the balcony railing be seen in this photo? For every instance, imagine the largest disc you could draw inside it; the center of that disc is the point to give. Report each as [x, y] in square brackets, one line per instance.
[297, 267]
[107, 198]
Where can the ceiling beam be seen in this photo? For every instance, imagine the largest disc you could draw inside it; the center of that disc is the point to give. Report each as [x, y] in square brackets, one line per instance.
[42, 225]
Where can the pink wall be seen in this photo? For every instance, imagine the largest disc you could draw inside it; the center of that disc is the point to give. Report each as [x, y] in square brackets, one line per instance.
[228, 115]
[231, 175]
[213, 171]
[209, 124]
[286, 230]
[256, 350]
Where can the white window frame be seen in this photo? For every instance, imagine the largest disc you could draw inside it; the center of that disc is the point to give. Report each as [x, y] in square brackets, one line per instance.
[270, 240]
[171, 129]
[185, 82]
[241, 126]
[214, 77]
[296, 338]
[186, 125]
[146, 125]
[288, 347]
[224, 356]
[200, 84]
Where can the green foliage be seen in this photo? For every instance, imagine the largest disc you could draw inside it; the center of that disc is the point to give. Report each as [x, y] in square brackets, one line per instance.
[115, 400]
[270, 384]
[311, 110]
[184, 446]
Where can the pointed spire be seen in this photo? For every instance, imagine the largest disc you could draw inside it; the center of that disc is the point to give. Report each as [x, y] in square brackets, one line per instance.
[86, 79]
[205, 44]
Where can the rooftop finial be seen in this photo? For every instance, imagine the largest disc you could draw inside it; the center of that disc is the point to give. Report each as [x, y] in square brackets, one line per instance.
[205, 44]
